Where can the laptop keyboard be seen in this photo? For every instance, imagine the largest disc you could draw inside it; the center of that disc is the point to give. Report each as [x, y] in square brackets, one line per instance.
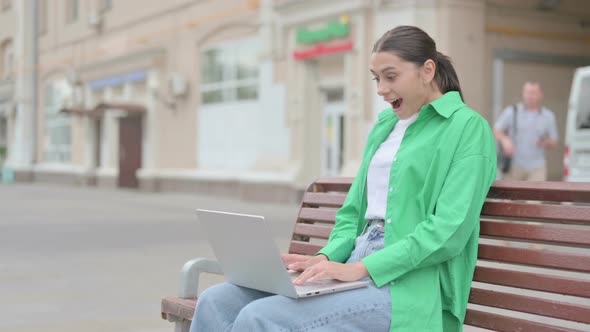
[313, 285]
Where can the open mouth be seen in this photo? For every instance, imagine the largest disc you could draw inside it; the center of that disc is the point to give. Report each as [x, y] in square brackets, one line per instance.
[397, 103]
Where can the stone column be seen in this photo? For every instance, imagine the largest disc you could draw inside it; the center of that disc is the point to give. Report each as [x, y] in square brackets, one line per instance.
[461, 35]
[21, 150]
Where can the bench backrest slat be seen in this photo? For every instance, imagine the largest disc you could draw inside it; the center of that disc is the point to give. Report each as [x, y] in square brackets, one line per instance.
[531, 305]
[565, 235]
[332, 184]
[496, 322]
[534, 257]
[540, 212]
[320, 232]
[564, 230]
[533, 281]
[541, 191]
[326, 215]
[304, 248]
[324, 199]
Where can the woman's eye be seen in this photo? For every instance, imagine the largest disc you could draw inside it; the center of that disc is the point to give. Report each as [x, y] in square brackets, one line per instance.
[376, 79]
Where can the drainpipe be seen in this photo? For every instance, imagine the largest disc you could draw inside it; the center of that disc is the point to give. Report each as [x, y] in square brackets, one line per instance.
[34, 65]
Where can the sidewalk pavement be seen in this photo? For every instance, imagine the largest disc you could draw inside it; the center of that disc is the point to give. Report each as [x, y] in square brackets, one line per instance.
[88, 259]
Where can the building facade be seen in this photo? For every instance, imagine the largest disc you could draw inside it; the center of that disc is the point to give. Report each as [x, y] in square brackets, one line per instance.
[8, 39]
[247, 98]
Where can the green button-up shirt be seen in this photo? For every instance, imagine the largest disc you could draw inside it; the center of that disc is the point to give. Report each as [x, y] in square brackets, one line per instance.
[438, 182]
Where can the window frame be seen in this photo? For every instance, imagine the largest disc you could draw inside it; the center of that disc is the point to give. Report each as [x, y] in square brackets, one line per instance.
[7, 69]
[230, 83]
[56, 152]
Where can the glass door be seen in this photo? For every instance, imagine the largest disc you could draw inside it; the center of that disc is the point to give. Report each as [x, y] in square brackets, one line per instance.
[333, 132]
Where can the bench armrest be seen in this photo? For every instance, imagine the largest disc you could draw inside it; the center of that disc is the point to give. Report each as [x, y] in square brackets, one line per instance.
[189, 276]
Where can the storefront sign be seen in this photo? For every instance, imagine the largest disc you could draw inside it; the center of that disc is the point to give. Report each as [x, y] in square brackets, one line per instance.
[333, 29]
[117, 80]
[319, 40]
[321, 49]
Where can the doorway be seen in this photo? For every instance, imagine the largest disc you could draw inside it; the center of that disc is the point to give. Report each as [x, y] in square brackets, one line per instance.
[556, 81]
[333, 132]
[130, 137]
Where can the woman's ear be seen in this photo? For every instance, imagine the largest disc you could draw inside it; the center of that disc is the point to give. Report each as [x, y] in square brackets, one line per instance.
[428, 71]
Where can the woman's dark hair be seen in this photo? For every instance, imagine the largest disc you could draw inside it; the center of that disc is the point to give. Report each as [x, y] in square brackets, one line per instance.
[414, 45]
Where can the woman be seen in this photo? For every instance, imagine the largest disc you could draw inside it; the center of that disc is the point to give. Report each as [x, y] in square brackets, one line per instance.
[410, 221]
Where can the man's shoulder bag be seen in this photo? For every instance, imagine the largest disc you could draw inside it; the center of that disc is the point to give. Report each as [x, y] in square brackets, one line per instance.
[504, 162]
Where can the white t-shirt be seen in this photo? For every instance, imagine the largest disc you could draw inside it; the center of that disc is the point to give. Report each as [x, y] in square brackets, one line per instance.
[380, 167]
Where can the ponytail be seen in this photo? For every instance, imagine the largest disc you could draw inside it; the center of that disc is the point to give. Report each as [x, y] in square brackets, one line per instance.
[446, 77]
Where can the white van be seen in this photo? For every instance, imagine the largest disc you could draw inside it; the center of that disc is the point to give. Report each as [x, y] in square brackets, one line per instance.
[577, 132]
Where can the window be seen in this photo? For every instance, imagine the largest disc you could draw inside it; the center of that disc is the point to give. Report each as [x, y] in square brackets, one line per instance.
[42, 16]
[72, 10]
[229, 73]
[7, 58]
[6, 4]
[57, 138]
[583, 104]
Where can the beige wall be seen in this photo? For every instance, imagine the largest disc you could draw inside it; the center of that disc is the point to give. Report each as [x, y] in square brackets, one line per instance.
[178, 127]
[462, 37]
[8, 30]
[166, 38]
[8, 23]
[178, 28]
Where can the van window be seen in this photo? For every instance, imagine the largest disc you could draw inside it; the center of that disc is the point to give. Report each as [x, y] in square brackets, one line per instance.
[583, 118]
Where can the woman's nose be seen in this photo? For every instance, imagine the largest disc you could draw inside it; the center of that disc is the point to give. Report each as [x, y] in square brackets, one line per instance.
[381, 89]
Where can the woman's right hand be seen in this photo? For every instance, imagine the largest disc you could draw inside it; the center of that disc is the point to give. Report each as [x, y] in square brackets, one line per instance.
[507, 146]
[301, 262]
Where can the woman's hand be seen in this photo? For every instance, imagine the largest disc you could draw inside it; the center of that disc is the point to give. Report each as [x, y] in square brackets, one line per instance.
[338, 271]
[301, 262]
[507, 147]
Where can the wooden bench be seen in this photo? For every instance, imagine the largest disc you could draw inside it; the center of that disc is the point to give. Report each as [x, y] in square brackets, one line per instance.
[518, 286]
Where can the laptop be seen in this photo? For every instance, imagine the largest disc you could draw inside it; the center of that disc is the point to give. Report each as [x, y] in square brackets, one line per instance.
[249, 257]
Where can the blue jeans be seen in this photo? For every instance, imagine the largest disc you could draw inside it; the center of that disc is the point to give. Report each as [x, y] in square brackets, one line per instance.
[227, 307]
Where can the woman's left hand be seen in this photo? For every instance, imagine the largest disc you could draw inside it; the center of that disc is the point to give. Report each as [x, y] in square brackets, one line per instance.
[338, 271]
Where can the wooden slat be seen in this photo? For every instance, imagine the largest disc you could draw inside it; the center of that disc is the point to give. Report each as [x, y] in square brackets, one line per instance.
[179, 307]
[558, 234]
[324, 215]
[303, 248]
[534, 281]
[321, 232]
[541, 191]
[495, 322]
[569, 213]
[544, 258]
[334, 184]
[532, 305]
[324, 199]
